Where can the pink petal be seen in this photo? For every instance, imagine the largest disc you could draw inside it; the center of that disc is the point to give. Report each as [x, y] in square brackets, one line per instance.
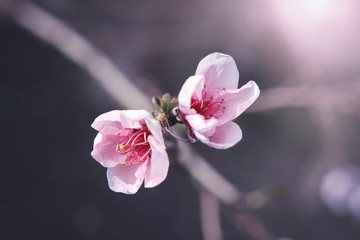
[126, 179]
[155, 129]
[134, 118]
[200, 124]
[225, 136]
[219, 70]
[158, 165]
[121, 119]
[192, 88]
[208, 133]
[108, 119]
[237, 101]
[104, 150]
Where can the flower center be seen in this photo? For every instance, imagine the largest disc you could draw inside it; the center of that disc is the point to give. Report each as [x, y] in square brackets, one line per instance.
[211, 104]
[134, 145]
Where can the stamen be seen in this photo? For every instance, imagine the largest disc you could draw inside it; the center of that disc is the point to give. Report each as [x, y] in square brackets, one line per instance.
[210, 105]
[145, 155]
[135, 138]
[135, 146]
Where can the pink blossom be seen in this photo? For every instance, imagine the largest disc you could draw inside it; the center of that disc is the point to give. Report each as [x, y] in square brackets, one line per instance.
[131, 145]
[209, 101]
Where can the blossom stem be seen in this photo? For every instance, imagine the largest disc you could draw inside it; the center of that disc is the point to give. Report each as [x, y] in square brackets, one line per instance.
[177, 137]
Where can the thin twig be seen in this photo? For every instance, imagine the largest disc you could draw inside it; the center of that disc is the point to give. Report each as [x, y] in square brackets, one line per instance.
[248, 223]
[210, 216]
[75, 47]
[207, 176]
[324, 96]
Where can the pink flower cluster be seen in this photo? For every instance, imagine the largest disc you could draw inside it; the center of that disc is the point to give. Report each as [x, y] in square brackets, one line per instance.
[130, 143]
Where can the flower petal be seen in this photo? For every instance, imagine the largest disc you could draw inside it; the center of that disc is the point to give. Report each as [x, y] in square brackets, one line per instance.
[108, 119]
[121, 119]
[126, 179]
[219, 70]
[198, 122]
[104, 150]
[158, 166]
[155, 129]
[225, 136]
[237, 101]
[192, 88]
[134, 118]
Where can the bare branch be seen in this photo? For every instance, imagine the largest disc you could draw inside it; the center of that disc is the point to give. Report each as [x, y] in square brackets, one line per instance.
[250, 224]
[210, 217]
[207, 176]
[75, 47]
[323, 96]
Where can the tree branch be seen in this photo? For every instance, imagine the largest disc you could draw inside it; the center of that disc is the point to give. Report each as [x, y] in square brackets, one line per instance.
[324, 96]
[209, 215]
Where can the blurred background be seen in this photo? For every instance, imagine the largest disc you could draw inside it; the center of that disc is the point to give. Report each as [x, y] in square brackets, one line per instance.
[301, 136]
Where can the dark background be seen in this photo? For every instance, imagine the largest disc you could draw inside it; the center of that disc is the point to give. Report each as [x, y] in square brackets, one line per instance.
[51, 188]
